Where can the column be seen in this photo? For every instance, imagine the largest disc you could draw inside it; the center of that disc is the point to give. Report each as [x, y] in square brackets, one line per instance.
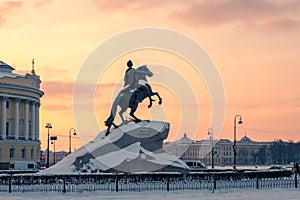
[32, 134]
[37, 121]
[3, 121]
[17, 118]
[26, 122]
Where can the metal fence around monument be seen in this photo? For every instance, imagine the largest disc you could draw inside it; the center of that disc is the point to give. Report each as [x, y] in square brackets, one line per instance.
[141, 182]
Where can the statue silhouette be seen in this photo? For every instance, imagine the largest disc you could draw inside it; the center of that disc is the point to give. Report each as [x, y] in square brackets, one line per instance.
[136, 89]
[130, 81]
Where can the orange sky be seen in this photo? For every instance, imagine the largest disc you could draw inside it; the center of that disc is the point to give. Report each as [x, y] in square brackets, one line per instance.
[255, 45]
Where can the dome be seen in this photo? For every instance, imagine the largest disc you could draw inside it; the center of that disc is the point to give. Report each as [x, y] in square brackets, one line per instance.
[246, 139]
[5, 67]
[7, 71]
[184, 139]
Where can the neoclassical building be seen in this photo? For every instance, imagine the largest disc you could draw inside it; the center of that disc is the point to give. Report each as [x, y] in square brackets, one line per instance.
[247, 151]
[19, 120]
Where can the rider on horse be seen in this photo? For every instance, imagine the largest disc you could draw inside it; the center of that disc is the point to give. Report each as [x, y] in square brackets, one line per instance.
[136, 89]
[130, 82]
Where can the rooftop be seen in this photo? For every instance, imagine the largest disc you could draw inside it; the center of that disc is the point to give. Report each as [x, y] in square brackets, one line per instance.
[5, 67]
[246, 139]
[184, 139]
[7, 71]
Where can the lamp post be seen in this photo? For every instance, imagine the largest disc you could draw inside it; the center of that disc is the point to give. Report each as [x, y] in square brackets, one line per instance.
[48, 126]
[70, 136]
[53, 138]
[210, 132]
[234, 142]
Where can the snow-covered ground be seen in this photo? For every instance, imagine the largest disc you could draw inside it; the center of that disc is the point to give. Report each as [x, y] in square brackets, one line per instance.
[273, 194]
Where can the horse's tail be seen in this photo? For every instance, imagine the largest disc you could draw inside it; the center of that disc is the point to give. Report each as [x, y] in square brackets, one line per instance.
[113, 111]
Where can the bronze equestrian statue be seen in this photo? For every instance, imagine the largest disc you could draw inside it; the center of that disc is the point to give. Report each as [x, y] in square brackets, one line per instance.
[136, 89]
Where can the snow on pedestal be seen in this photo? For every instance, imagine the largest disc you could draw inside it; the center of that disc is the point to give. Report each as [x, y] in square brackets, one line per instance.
[134, 147]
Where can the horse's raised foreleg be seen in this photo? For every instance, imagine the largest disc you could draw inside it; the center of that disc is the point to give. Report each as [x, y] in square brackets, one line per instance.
[149, 94]
[150, 101]
[160, 99]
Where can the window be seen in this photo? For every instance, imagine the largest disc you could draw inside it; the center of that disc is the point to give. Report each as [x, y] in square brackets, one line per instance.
[38, 153]
[23, 153]
[29, 131]
[7, 104]
[12, 153]
[30, 166]
[7, 129]
[31, 153]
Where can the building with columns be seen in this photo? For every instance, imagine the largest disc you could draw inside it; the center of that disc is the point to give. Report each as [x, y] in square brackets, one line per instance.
[19, 120]
[247, 151]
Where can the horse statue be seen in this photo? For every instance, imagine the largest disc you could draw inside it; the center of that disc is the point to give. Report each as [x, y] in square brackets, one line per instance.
[131, 99]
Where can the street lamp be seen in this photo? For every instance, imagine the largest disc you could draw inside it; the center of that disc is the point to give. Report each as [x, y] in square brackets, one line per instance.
[48, 126]
[70, 135]
[234, 142]
[210, 132]
[53, 138]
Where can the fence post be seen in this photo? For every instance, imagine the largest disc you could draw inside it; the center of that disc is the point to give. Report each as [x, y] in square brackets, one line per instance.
[117, 184]
[215, 182]
[10, 184]
[168, 184]
[64, 188]
[257, 183]
[296, 184]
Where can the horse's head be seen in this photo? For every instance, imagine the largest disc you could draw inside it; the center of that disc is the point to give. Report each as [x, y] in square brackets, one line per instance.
[144, 70]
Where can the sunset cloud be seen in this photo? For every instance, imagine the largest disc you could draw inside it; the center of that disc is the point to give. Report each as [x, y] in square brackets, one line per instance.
[282, 24]
[254, 12]
[7, 8]
[253, 43]
[128, 6]
[57, 89]
[57, 107]
[64, 91]
[42, 3]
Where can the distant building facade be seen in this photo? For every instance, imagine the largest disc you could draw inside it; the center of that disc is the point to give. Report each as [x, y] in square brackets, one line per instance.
[19, 120]
[58, 157]
[248, 151]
